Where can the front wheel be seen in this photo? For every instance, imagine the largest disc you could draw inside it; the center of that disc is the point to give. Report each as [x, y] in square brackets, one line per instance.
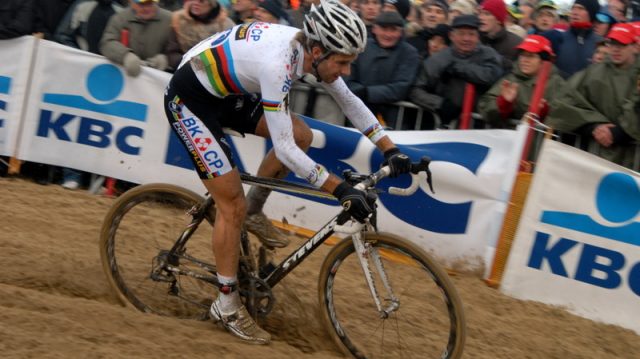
[427, 319]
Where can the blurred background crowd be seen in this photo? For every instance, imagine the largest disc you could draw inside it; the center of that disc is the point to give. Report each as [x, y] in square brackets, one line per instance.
[421, 58]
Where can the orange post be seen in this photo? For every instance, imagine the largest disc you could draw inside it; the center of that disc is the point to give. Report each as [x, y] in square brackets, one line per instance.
[534, 105]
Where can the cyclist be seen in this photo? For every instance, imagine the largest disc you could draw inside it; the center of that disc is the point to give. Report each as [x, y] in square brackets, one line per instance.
[241, 79]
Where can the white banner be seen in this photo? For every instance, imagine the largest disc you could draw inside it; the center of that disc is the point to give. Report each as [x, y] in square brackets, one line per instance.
[578, 242]
[14, 72]
[102, 121]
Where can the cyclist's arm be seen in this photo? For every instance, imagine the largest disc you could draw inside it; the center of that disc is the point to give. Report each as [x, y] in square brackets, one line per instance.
[359, 114]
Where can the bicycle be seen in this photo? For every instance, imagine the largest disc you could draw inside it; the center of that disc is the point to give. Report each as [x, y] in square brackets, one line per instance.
[406, 305]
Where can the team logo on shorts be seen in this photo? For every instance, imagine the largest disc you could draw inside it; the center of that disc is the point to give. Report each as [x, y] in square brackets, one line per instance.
[174, 107]
[202, 143]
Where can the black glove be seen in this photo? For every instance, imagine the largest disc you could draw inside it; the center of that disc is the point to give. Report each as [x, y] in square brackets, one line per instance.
[397, 161]
[353, 201]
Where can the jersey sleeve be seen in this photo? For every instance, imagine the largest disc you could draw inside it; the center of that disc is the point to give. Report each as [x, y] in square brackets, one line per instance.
[355, 110]
[275, 83]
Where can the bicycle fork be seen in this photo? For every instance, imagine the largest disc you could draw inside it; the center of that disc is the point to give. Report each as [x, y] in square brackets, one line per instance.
[366, 254]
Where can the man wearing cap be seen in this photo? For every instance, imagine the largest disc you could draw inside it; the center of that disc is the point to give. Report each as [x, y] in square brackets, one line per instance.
[432, 13]
[600, 102]
[509, 98]
[493, 33]
[443, 76]
[384, 72]
[545, 17]
[148, 27]
[512, 21]
[575, 46]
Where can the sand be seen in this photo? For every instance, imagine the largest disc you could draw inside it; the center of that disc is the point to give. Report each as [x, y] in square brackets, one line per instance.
[55, 301]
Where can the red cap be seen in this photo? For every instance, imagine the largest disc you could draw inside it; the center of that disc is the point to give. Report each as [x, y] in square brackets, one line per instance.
[496, 7]
[623, 33]
[536, 44]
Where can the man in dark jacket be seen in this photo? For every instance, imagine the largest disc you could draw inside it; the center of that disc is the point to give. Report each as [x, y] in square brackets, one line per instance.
[575, 47]
[16, 18]
[383, 73]
[494, 34]
[443, 76]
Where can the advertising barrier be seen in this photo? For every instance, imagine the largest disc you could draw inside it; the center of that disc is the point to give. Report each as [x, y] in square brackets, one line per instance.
[578, 242]
[85, 113]
[14, 74]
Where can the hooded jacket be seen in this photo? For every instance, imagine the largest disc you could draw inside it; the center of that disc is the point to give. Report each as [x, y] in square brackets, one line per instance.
[488, 105]
[601, 94]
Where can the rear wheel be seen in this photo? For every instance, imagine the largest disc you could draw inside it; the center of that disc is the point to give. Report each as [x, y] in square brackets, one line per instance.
[138, 231]
[428, 321]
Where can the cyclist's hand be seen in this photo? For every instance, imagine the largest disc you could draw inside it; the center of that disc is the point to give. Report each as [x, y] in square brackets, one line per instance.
[353, 201]
[397, 161]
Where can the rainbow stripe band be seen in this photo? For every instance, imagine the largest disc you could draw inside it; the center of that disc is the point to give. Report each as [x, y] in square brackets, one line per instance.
[218, 64]
[270, 105]
[374, 132]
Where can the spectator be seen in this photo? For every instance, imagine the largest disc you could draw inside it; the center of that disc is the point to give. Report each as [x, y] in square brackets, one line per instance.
[439, 39]
[618, 8]
[198, 20]
[271, 11]
[509, 98]
[48, 15]
[527, 9]
[243, 11]
[604, 22]
[384, 72]
[87, 21]
[441, 82]
[461, 7]
[595, 103]
[148, 28]
[601, 53]
[369, 11]
[512, 21]
[433, 12]
[493, 33]
[17, 18]
[402, 7]
[575, 47]
[545, 17]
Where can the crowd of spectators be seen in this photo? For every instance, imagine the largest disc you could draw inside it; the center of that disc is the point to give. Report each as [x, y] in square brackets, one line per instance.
[422, 51]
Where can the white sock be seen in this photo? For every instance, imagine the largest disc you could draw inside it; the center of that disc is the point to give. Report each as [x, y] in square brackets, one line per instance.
[229, 302]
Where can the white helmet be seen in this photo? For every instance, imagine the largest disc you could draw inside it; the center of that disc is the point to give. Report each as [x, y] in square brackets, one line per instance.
[336, 27]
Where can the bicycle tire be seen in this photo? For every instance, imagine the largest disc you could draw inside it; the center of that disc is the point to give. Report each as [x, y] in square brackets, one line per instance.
[142, 222]
[429, 322]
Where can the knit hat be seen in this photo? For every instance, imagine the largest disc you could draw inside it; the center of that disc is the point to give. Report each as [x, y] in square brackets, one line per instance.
[592, 7]
[623, 33]
[403, 6]
[470, 21]
[465, 7]
[497, 8]
[389, 18]
[536, 44]
[439, 3]
[274, 7]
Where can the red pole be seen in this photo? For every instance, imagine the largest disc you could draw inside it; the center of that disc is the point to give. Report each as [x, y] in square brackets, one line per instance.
[534, 104]
[467, 106]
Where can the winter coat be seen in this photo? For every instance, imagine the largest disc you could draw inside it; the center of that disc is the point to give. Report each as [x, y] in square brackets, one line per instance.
[74, 32]
[601, 94]
[504, 42]
[383, 76]
[443, 76]
[573, 48]
[488, 105]
[147, 38]
[16, 18]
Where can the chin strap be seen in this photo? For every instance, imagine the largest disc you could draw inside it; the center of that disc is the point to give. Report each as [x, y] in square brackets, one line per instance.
[317, 62]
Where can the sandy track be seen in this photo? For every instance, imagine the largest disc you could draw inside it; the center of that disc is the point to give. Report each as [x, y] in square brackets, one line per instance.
[55, 301]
